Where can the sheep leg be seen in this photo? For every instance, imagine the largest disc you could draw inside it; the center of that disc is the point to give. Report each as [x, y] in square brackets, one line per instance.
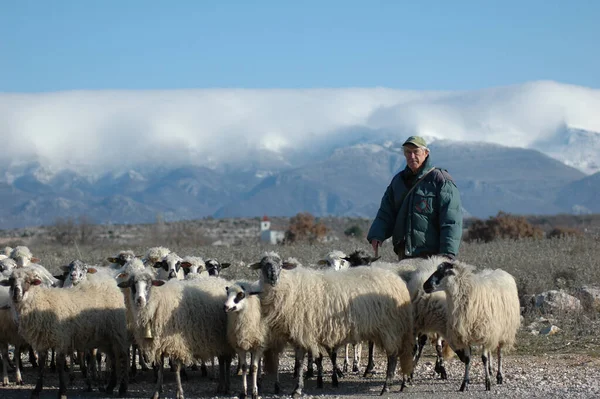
[254, 371]
[485, 355]
[224, 370]
[18, 378]
[346, 358]
[11, 363]
[238, 369]
[357, 355]
[337, 373]
[300, 378]
[370, 363]
[4, 365]
[178, 379]
[297, 362]
[112, 379]
[160, 369]
[319, 361]
[392, 362]
[499, 375]
[244, 373]
[33, 357]
[465, 356]
[35, 394]
[203, 369]
[439, 363]
[91, 375]
[61, 359]
[310, 371]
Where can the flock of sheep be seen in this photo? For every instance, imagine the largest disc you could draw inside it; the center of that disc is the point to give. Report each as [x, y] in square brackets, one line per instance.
[166, 306]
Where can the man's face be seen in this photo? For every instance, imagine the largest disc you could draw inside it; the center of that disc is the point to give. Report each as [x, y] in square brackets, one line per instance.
[415, 156]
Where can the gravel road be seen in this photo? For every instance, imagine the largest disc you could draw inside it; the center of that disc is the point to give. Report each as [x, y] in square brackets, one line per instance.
[540, 376]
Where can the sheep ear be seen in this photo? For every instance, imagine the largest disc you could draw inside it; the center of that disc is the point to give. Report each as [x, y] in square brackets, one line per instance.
[158, 265]
[158, 283]
[288, 266]
[186, 264]
[60, 277]
[123, 275]
[112, 260]
[92, 270]
[255, 266]
[322, 262]
[5, 307]
[36, 281]
[139, 256]
[124, 284]
[65, 268]
[254, 293]
[35, 260]
[5, 283]
[373, 259]
[225, 265]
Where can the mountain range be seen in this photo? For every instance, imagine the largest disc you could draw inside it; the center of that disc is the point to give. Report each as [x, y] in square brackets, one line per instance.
[348, 182]
[129, 156]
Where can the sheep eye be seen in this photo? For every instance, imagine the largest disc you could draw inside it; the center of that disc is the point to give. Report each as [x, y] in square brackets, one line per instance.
[239, 297]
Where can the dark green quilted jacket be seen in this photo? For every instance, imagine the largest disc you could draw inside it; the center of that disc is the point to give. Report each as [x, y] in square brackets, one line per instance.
[428, 221]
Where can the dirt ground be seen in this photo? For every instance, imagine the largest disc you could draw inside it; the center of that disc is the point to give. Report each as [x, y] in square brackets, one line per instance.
[531, 376]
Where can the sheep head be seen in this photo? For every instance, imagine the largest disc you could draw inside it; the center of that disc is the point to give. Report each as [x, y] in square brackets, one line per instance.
[20, 282]
[171, 263]
[140, 285]
[335, 260]
[236, 295]
[435, 281]
[214, 267]
[270, 266]
[360, 258]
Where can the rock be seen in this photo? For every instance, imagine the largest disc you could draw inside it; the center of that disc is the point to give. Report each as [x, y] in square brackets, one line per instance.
[589, 297]
[557, 301]
[550, 330]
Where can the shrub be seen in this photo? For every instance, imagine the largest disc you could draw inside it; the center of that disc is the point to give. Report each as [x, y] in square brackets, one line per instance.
[303, 227]
[502, 226]
[353, 231]
[559, 232]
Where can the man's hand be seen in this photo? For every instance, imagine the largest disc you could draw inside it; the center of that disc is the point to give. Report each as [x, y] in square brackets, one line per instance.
[376, 244]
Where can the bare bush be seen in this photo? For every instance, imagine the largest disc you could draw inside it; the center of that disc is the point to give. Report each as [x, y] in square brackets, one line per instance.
[502, 226]
[560, 231]
[303, 227]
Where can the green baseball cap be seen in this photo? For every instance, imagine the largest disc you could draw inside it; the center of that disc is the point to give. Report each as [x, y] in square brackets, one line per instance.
[416, 141]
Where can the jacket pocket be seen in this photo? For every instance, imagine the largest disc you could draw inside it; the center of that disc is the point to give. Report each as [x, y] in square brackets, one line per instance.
[423, 203]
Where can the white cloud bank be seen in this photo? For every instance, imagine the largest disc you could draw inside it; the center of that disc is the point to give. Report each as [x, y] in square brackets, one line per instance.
[98, 131]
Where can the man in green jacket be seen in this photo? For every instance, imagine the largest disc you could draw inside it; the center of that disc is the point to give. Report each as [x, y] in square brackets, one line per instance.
[420, 209]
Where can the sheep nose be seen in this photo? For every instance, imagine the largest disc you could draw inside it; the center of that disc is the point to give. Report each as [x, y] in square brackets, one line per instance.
[172, 274]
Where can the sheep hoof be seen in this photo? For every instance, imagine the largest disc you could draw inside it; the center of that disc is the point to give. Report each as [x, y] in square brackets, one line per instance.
[385, 390]
[488, 384]
[242, 395]
[355, 368]
[499, 379]
[203, 371]
[20, 382]
[62, 396]
[255, 396]
[320, 381]
[277, 388]
[296, 394]
[345, 368]
[180, 395]
[464, 386]
[156, 395]
[339, 372]
[310, 373]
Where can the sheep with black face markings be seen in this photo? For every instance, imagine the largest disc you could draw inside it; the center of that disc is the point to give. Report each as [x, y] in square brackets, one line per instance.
[247, 333]
[188, 322]
[356, 304]
[86, 316]
[483, 309]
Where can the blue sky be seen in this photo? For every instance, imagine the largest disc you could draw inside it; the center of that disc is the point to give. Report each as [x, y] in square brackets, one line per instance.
[423, 45]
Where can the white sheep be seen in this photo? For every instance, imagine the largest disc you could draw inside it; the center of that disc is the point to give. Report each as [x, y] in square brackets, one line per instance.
[246, 332]
[430, 310]
[194, 267]
[122, 257]
[9, 335]
[155, 254]
[337, 261]
[85, 316]
[188, 322]
[353, 305]
[23, 256]
[169, 267]
[6, 251]
[214, 267]
[483, 309]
